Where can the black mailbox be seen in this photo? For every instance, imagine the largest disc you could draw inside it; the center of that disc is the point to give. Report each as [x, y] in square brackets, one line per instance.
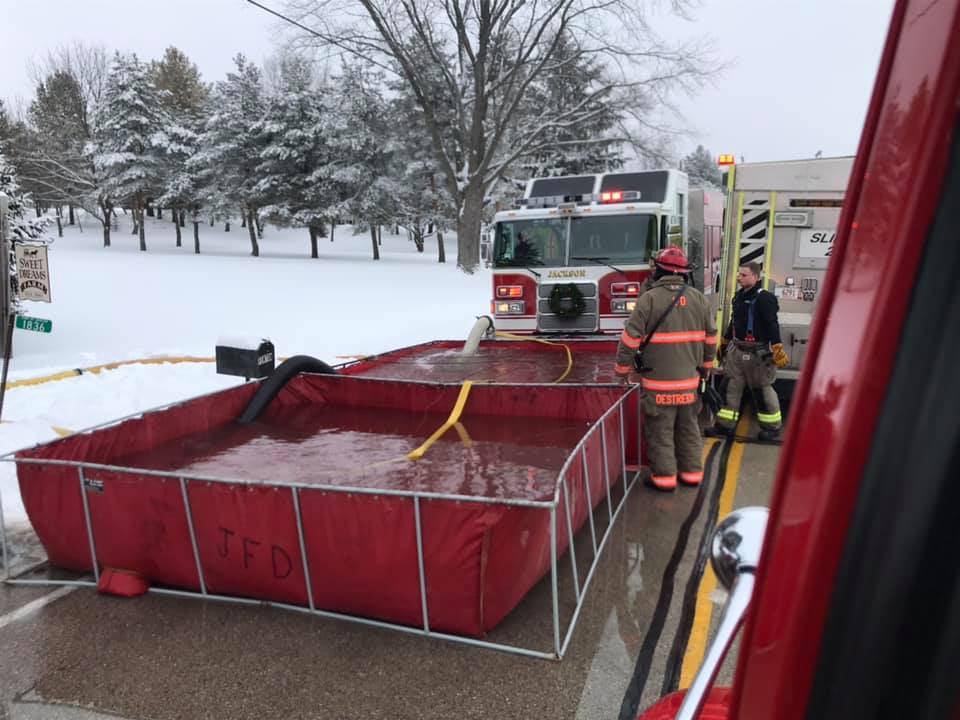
[249, 360]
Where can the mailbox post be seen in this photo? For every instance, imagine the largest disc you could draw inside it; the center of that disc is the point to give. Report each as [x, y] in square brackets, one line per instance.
[245, 359]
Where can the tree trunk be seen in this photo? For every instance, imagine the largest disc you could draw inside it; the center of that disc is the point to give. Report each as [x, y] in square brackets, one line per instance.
[468, 228]
[196, 237]
[441, 251]
[243, 221]
[212, 221]
[106, 224]
[253, 234]
[373, 236]
[59, 225]
[177, 226]
[226, 226]
[72, 219]
[183, 218]
[37, 210]
[256, 221]
[314, 236]
[333, 227]
[142, 230]
[379, 235]
[418, 239]
[149, 209]
[173, 215]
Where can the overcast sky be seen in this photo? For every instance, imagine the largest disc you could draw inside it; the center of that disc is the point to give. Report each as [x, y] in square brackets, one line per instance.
[800, 75]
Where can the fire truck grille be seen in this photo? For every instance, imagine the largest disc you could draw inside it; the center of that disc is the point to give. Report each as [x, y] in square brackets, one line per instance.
[585, 322]
[588, 290]
[582, 323]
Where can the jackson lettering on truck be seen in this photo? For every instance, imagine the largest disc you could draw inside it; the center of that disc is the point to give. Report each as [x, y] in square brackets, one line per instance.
[854, 612]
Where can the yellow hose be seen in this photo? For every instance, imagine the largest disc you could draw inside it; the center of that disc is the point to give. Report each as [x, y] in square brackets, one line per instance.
[97, 369]
[566, 372]
[451, 421]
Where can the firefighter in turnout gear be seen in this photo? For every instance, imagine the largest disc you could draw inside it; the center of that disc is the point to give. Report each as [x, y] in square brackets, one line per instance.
[673, 329]
[752, 351]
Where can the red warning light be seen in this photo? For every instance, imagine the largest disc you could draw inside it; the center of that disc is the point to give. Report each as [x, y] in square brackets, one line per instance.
[726, 160]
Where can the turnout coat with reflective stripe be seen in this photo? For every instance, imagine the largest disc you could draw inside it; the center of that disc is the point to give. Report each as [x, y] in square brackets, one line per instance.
[686, 340]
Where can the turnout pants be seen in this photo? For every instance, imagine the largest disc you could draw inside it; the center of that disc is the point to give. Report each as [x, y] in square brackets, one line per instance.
[749, 366]
[674, 443]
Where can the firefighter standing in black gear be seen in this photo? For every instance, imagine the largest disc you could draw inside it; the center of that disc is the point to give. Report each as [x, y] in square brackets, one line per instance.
[752, 351]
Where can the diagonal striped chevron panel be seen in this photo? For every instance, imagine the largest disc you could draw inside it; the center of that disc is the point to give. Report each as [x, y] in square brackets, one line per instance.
[753, 229]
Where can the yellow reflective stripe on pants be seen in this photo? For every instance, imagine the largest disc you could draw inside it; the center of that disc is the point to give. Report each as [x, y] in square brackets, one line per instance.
[728, 414]
[769, 418]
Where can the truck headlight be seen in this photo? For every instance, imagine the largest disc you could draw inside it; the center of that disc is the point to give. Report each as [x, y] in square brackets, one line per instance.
[514, 307]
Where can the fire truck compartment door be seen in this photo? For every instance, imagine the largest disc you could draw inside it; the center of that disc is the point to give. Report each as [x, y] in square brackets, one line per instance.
[795, 331]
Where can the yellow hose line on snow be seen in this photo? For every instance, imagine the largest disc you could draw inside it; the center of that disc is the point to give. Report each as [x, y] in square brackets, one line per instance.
[566, 372]
[451, 421]
[97, 369]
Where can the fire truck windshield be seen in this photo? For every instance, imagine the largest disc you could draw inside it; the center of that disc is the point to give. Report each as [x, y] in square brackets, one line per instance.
[553, 242]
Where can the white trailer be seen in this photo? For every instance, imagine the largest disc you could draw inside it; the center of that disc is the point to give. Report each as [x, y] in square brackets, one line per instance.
[784, 216]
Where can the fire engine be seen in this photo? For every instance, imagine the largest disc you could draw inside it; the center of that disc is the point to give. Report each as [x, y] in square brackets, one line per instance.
[571, 257]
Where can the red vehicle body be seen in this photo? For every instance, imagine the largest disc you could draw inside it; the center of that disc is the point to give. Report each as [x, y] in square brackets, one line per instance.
[855, 611]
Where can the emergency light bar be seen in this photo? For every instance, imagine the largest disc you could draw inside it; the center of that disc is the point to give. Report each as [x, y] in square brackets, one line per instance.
[544, 201]
[616, 196]
[727, 159]
[569, 202]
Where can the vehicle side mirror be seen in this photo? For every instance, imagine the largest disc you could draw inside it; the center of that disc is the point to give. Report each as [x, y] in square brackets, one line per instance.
[734, 555]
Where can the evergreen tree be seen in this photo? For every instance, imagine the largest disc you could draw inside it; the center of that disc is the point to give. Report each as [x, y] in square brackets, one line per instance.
[423, 205]
[231, 145]
[180, 190]
[359, 152]
[56, 163]
[6, 126]
[126, 151]
[293, 136]
[185, 93]
[702, 169]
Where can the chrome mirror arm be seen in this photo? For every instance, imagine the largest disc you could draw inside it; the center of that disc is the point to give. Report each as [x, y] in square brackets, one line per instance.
[735, 554]
[734, 613]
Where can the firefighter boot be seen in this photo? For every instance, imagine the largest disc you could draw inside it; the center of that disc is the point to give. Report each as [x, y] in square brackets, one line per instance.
[689, 445]
[659, 425]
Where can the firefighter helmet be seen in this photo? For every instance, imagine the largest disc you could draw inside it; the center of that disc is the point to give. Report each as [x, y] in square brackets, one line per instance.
[672, 259]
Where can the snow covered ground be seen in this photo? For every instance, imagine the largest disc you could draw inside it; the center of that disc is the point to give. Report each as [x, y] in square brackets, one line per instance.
[119, 303]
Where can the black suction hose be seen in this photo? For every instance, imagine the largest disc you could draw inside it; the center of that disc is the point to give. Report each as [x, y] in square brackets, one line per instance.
[285, 372]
